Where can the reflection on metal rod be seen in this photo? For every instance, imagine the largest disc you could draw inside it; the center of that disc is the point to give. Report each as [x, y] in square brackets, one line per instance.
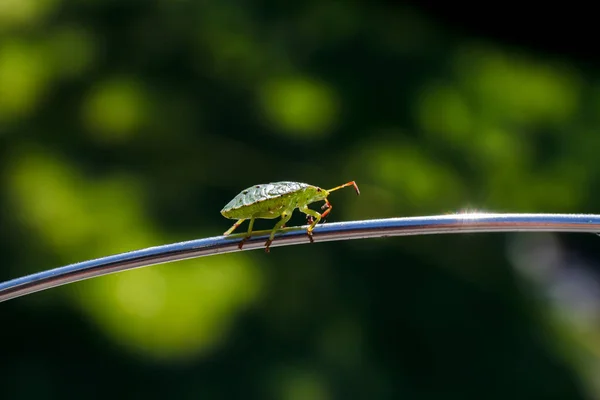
[453, 223]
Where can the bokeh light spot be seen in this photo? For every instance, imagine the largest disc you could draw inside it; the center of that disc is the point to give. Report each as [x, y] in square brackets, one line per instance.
[518, 88]
[23, 76]
[79, 218]
[443, 111]
[116, 109]
[299, 107]
[172, 311]
[300, 384]
[15, 13]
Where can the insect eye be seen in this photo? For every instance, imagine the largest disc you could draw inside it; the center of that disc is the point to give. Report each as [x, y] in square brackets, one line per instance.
[318, 189]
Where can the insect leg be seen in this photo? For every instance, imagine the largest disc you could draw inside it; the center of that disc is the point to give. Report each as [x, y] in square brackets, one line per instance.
[233, 228]
[249, 235]
[327, 207]
[317, 218]
[285, 217]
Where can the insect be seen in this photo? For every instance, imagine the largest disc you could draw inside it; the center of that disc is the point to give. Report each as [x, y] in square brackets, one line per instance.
[278, 199]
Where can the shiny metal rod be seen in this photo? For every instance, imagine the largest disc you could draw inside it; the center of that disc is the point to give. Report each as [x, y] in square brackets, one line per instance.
[376, 228]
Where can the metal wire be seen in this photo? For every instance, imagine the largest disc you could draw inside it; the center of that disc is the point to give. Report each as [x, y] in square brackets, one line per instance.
[377, 228]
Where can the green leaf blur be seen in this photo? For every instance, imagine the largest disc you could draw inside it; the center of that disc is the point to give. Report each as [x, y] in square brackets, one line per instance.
[128, 124]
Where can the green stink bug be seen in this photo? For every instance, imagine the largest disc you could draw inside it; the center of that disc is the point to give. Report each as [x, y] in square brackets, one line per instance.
[278, 199]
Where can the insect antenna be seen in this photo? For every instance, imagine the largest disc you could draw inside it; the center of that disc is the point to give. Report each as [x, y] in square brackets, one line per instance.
[346, 185]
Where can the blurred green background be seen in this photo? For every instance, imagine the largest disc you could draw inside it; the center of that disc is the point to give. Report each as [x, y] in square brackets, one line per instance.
[126, 124]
